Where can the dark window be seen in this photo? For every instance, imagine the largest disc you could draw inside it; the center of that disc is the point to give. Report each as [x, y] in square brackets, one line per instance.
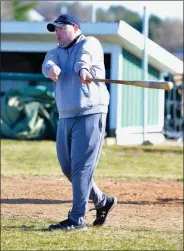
[22, 62]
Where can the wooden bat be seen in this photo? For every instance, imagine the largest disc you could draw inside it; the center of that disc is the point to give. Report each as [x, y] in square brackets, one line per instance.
[163, 85]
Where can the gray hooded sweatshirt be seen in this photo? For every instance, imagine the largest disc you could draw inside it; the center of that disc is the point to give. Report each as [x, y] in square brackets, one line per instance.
[72, 97]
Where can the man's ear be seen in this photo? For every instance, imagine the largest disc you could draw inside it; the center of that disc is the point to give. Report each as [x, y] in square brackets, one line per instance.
[76, 28]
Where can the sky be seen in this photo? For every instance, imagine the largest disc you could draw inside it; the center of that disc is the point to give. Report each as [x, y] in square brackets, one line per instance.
[162, 9]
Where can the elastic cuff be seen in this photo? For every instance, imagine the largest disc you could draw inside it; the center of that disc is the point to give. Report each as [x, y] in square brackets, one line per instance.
[48, 68]
[82, 69]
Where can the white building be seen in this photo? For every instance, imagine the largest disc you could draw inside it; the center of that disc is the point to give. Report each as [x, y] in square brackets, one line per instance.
[24, 44]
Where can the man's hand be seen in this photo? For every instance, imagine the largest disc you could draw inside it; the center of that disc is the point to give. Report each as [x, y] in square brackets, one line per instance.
[54, 72]
[84, 75]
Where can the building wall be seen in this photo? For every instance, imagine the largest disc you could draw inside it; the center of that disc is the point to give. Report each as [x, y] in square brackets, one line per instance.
[132, 97]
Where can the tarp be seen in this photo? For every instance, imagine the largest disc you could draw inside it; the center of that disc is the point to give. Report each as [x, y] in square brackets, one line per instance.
[29, 113]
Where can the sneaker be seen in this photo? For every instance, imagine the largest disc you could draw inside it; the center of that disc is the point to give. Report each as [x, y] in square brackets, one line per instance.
[102, 213]
[67, 225]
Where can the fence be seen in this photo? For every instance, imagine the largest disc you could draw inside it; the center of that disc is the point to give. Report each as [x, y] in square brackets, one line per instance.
[174, 116]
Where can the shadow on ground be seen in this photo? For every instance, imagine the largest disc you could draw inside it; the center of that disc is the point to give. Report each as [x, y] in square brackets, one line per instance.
[46, 201]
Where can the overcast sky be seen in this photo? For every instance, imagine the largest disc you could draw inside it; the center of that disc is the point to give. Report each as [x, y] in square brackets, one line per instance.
[162, 9]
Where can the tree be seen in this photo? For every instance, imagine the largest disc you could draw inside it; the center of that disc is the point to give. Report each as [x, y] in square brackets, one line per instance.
[21, 9]
[154, 24]
[83, 12]
[169, 35]
[48, 9]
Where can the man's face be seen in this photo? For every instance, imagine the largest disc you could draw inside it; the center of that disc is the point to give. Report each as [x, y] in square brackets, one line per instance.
[65, 35]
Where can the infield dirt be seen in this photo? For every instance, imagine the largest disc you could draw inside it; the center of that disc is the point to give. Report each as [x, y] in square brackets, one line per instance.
[141, 204]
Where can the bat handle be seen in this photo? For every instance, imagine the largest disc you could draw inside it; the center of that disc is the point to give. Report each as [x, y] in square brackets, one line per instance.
[102, 80]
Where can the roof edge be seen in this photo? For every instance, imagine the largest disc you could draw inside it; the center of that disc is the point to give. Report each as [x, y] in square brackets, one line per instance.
[35, 27]
[156, 53]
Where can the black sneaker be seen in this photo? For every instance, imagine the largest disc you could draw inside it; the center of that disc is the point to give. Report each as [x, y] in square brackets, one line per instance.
[67, 225]
[102, 213]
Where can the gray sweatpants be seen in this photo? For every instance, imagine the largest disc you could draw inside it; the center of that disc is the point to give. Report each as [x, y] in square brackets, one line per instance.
[79, 143]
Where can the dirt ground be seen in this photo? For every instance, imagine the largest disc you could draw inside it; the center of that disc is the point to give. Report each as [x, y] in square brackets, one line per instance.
[141, 204]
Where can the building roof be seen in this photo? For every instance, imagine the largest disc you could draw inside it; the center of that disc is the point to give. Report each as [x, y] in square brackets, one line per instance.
[114, 33]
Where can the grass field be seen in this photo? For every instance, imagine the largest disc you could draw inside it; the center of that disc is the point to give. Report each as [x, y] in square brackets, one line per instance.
[38, 159]
[17, 237]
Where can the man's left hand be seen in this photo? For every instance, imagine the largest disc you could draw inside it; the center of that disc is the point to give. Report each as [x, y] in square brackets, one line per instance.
[84, 76]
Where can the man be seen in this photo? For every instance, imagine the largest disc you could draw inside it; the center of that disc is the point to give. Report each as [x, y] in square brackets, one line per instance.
[82, 106]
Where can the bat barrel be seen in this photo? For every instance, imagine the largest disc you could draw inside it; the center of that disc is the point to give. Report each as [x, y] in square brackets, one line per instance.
[163, 85]
[170, 86]
[160, 85]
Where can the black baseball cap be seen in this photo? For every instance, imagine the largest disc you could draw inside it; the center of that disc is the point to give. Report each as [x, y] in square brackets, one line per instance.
[63, 20]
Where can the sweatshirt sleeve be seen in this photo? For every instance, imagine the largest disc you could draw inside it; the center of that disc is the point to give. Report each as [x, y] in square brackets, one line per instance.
[51, 59]
[90, 56]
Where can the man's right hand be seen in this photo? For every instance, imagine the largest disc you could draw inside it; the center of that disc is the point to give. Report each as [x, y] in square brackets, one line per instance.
[54, 72]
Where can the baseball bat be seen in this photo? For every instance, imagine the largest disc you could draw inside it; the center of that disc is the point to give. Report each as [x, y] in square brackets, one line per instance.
[163, 85]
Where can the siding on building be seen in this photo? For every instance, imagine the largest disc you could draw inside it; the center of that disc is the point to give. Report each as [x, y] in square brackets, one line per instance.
[132, 97]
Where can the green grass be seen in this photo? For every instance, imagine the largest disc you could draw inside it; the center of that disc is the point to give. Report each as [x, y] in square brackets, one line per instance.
[38, 158]
[141, 163]
[28, 235]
